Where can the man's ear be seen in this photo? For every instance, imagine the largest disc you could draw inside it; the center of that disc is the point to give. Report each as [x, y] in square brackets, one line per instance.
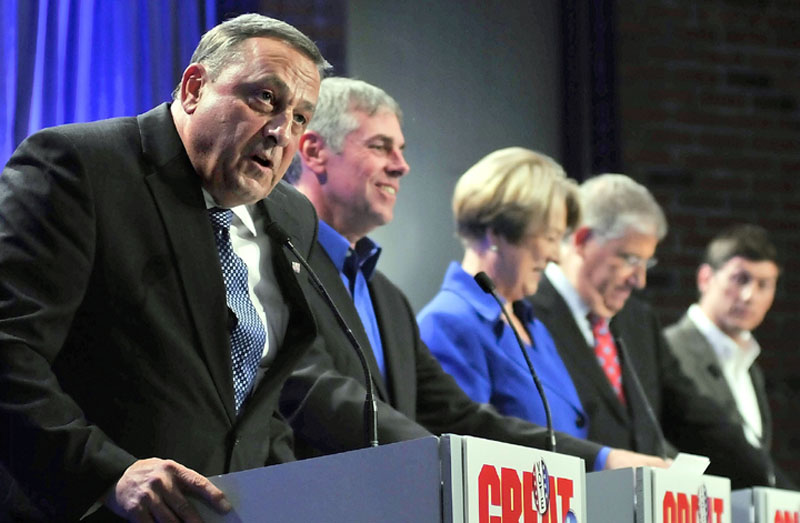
[192, 82]
[580, 238]
[704, 275]
[314, 151]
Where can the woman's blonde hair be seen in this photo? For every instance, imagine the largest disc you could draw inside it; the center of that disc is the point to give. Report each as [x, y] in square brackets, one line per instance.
[510, 192]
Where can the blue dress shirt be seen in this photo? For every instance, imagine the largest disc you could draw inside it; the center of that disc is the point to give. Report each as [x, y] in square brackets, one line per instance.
[355, 267]
[464, 329]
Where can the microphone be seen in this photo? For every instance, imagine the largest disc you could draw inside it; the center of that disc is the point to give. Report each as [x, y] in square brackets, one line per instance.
[277, 233]
[487, 285]
[714, 370]
[662, 441]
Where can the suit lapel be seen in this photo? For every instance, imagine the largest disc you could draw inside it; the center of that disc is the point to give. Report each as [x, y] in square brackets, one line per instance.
[397, 343]
[703, 357]
[554, 387]
[176, 192]
[589, 378]
[276, 207]
[301, 327]
[757, 378]
[551, 381]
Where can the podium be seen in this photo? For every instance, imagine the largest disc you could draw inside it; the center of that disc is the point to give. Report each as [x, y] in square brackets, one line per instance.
[647, 495]
[765, 505]
[488, 481]
[451, 479]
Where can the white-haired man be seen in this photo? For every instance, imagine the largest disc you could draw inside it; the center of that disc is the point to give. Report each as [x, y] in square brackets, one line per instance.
[587, 306]
[133, 362]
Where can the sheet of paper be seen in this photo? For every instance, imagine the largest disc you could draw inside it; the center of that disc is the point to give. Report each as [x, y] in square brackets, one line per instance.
[690, 463]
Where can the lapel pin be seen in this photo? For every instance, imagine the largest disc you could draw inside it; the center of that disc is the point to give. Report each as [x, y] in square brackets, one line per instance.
[296, 267]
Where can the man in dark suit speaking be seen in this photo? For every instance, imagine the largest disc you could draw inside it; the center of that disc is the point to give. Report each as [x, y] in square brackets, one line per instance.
[587, 306]
[133, 360]
[352, 164]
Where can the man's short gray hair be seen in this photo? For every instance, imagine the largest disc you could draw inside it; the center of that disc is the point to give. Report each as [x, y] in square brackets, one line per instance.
[613, 204]
[338, 99]
[220, 45]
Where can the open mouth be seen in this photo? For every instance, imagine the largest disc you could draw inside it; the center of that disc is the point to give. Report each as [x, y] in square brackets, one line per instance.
[263, 162]
[388, 189]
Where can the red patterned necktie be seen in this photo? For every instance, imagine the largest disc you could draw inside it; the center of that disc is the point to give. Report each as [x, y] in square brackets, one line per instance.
[606, 351]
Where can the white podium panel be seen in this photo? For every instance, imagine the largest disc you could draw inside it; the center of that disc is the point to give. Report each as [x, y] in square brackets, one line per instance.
[765, 505]
[647, 495]
[496, 482]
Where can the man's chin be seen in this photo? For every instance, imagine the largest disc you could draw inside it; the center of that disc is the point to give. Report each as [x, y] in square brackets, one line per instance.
[739, 325]
[619, 300]
[611, 307]
[252, 190]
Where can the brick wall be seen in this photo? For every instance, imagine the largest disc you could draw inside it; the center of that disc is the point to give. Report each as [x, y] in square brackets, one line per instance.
[709, 98]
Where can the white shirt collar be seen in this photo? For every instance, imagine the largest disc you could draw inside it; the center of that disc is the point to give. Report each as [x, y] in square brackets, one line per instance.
[240, 211]
[735, 362]
[730, 354]
[579, 309]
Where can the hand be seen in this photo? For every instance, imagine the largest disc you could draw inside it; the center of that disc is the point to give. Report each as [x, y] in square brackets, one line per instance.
[152, 490]
[621, 459]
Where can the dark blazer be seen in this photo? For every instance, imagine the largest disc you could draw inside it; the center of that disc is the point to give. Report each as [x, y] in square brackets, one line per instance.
[689, 421]
[699, 362]
[324, 398]
[113, 337]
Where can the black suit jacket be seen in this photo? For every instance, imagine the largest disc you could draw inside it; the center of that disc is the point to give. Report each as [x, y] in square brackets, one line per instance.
[324, 397]
[113, 337]
[689, 421]
[700, 363]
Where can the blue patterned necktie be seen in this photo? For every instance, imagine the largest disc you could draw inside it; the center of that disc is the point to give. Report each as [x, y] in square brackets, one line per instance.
[247, 335]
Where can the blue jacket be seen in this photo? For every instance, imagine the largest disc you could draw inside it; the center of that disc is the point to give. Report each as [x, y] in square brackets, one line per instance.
[463, 328]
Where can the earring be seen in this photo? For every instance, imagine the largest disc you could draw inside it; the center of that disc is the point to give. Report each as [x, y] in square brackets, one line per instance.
[493, 248]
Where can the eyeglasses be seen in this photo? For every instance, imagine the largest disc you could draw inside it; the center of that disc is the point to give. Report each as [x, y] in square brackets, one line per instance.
[635, 262]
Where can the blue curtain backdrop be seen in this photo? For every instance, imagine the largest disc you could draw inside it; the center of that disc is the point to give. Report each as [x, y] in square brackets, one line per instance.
[81, 60]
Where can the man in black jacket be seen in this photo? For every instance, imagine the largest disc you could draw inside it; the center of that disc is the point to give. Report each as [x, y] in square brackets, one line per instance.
[713, 341]
[123, 335]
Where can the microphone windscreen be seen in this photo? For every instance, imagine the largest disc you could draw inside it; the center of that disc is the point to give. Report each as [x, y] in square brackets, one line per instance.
[277, 233]
[484, 282]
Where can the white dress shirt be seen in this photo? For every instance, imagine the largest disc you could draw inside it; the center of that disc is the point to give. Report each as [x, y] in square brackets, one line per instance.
[243, 240]
[580, 311]
[735, 362]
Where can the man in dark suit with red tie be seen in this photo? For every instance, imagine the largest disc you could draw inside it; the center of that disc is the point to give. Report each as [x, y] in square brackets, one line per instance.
[609, 339]
[132, 361]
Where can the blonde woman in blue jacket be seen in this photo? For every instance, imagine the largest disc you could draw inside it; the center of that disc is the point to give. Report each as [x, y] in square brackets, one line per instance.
[512, 210]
